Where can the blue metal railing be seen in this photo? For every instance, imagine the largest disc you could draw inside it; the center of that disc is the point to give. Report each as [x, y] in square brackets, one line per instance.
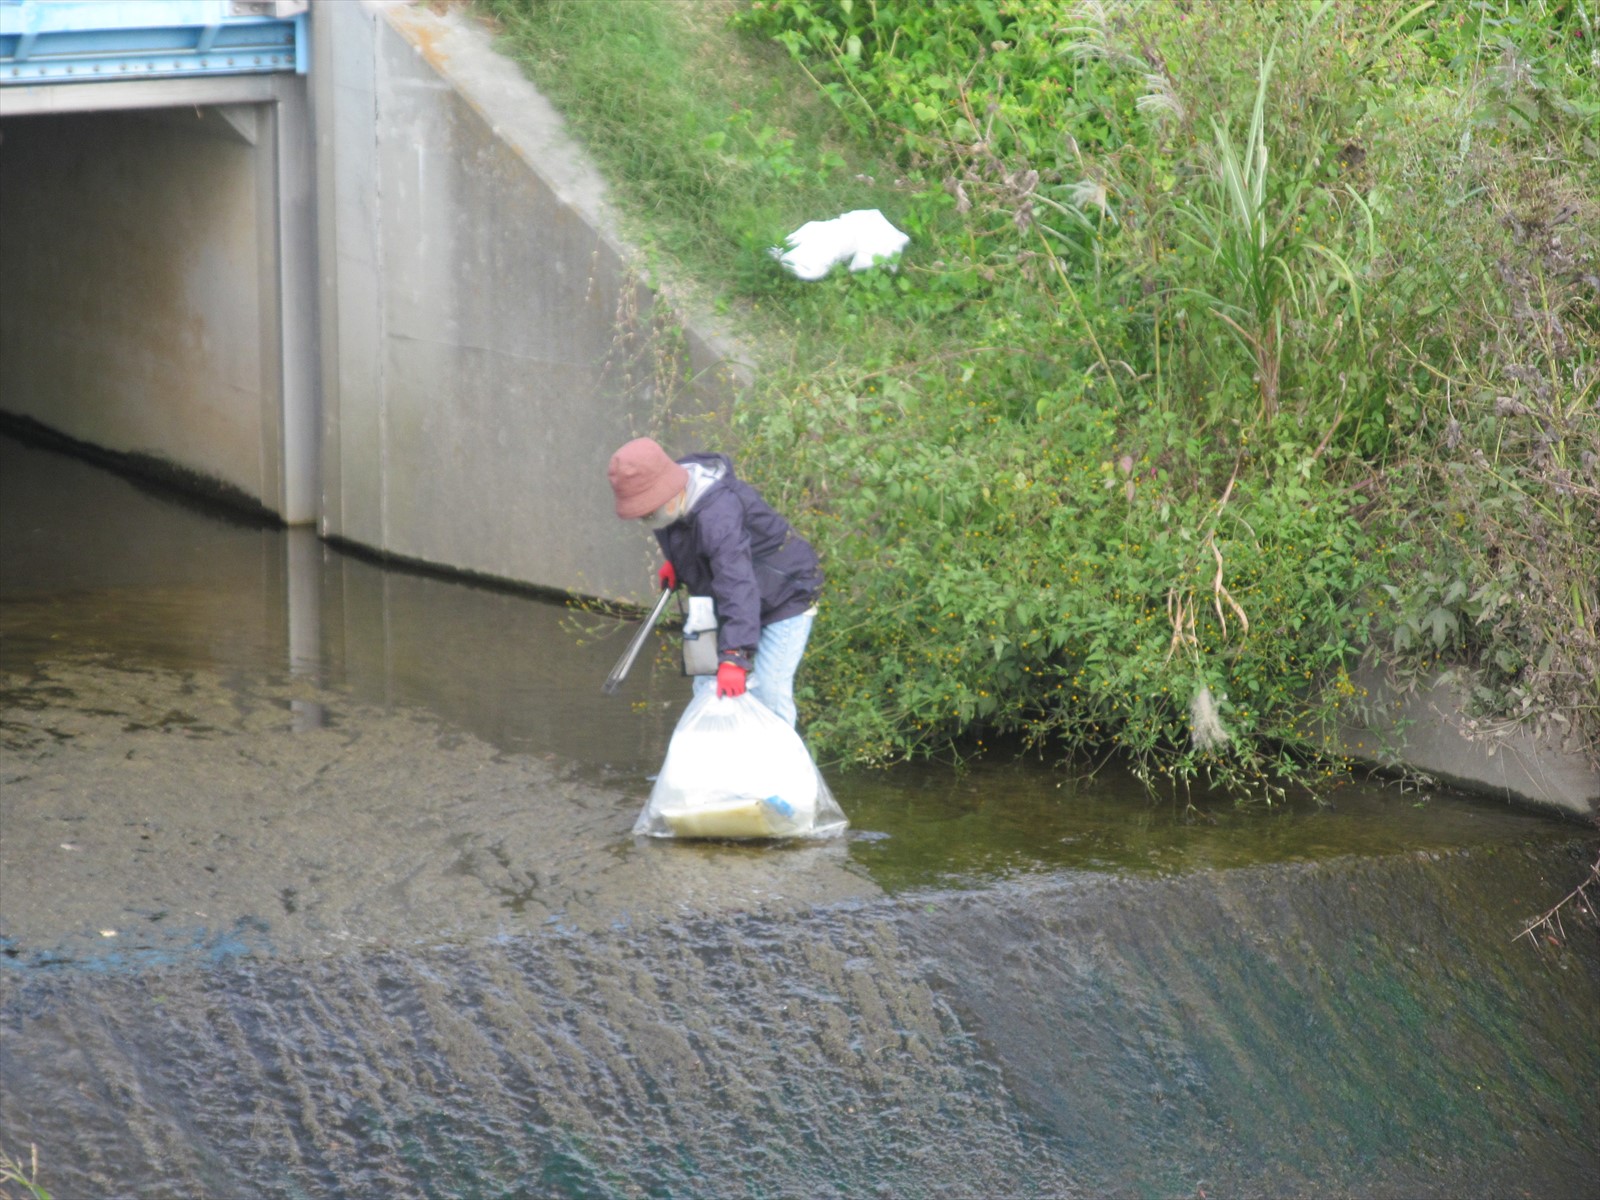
[84, 41]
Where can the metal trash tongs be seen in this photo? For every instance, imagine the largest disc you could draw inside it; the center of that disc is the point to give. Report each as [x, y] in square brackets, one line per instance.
[625, 663]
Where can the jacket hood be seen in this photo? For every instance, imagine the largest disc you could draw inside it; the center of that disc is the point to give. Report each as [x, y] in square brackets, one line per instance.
[717, 464]
[702, 478]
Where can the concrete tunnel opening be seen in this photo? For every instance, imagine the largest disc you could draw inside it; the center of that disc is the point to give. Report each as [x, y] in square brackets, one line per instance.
[151, 312]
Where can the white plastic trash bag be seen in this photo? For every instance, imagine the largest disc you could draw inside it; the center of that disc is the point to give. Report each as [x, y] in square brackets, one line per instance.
[734, 769]
[860, 238]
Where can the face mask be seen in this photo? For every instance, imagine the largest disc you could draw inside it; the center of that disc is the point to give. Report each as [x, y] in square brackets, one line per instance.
[665, 515]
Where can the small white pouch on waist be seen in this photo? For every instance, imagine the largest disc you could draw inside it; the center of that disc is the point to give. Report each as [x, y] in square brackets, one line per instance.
[700, 637]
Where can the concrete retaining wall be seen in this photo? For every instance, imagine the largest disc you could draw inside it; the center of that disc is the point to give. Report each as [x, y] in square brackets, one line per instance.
[485, 337]
[1423, 731]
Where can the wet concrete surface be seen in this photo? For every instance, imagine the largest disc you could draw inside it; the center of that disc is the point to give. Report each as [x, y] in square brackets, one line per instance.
[156, 812]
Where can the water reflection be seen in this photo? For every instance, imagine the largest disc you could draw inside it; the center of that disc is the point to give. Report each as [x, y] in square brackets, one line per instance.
[93, 562]
[1002, 819]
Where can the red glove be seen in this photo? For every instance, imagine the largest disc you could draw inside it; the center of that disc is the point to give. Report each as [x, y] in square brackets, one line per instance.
[667, 578]
[730, 680]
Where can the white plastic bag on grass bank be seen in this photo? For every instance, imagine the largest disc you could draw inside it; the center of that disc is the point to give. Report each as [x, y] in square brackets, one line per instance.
[860, 238]
[736, 770]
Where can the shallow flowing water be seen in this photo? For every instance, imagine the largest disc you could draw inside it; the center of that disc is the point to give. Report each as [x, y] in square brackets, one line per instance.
[316, 880]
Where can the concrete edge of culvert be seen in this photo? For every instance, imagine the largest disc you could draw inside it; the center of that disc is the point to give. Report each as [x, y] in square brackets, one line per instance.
[180, 484]
[1424, 731]
[622, 610]
[411, 565]
[460, 47]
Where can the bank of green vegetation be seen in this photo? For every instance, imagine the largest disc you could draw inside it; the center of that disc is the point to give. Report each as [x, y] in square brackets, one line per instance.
[1234, 342]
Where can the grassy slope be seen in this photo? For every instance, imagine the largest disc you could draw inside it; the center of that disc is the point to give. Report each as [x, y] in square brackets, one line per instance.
[1056, 496]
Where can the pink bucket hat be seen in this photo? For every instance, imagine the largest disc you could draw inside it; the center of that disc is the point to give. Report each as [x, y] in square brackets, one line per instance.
[643, 478]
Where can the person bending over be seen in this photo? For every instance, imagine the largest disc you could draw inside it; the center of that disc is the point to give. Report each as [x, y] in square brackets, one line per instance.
[722, 540]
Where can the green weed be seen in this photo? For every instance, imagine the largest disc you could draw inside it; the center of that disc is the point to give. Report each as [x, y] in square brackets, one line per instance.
[14, 1174]
[1193, 375]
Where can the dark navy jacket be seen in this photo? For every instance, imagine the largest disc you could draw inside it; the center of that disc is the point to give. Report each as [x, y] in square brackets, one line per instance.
[733, 547]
